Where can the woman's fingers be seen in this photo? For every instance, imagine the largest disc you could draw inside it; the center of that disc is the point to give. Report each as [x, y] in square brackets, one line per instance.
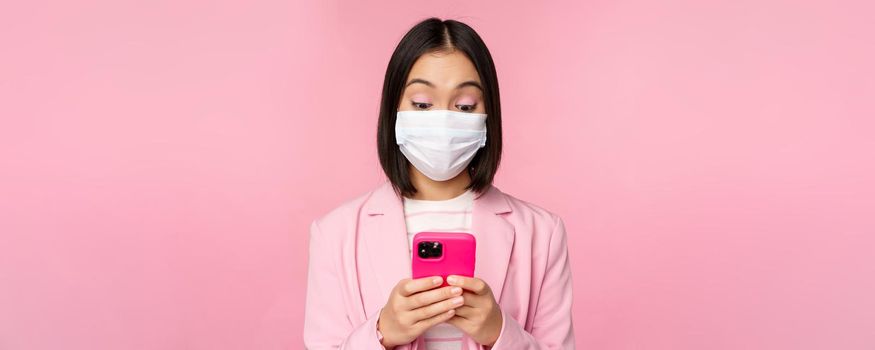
[473, 284]
[431, 310]
[429, 297]
[466, 311]
[407, 287]
[433, 320]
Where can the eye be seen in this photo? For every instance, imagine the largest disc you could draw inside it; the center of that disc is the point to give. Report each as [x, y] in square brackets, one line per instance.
[466, 108]
[420, 105]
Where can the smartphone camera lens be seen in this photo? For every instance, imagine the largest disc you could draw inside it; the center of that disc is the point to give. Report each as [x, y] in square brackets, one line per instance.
[430, 249]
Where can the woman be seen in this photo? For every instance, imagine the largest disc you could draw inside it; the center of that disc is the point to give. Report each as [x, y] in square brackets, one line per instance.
[439, 143]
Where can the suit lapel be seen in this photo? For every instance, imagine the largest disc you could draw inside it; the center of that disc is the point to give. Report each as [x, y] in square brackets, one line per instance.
[495, 238]
[387, 250]
[387, 244]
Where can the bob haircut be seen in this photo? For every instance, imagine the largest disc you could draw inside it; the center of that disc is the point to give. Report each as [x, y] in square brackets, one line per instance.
[427, 36]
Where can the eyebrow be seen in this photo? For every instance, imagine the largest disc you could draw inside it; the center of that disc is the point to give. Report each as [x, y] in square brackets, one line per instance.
[428, 83]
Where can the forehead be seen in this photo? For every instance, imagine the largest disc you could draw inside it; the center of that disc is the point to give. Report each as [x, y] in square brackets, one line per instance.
[445, 70]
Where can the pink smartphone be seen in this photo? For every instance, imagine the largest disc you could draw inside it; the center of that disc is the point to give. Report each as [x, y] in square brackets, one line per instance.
[443, 254]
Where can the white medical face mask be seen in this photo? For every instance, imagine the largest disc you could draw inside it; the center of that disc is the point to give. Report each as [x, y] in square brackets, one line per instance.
[440, 143]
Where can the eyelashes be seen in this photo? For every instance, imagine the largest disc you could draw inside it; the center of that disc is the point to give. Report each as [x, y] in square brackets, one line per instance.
[461, 107]
[466, 108]
[419, 105]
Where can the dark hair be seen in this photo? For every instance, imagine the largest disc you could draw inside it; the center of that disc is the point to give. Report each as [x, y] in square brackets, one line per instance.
[431, 35]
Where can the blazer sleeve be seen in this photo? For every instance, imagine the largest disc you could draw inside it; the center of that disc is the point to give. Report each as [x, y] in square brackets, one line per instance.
[552, 327]
[326, 323]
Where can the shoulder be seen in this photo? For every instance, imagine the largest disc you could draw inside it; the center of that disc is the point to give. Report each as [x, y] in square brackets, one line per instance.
[342, 215]
[537, 228]
[528, 211]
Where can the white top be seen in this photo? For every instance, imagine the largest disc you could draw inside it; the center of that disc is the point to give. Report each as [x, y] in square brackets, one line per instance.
[451, 215]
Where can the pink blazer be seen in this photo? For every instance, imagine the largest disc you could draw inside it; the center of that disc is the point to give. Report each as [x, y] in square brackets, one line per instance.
[358, 252]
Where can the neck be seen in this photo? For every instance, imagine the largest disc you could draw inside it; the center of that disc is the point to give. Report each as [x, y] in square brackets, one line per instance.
[430, 190]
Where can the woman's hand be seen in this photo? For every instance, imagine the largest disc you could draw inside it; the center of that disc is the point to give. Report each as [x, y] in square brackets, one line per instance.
[415, 305]
[480, 316]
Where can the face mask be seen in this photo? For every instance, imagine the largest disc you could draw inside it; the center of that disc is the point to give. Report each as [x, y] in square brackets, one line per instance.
[440, 143]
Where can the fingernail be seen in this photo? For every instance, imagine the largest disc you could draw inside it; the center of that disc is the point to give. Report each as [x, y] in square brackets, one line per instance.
[451, 279]
[456, 290]
[457, 300]
[436, 280]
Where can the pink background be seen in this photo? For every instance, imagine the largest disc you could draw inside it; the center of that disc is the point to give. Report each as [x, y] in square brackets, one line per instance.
[161, 162]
